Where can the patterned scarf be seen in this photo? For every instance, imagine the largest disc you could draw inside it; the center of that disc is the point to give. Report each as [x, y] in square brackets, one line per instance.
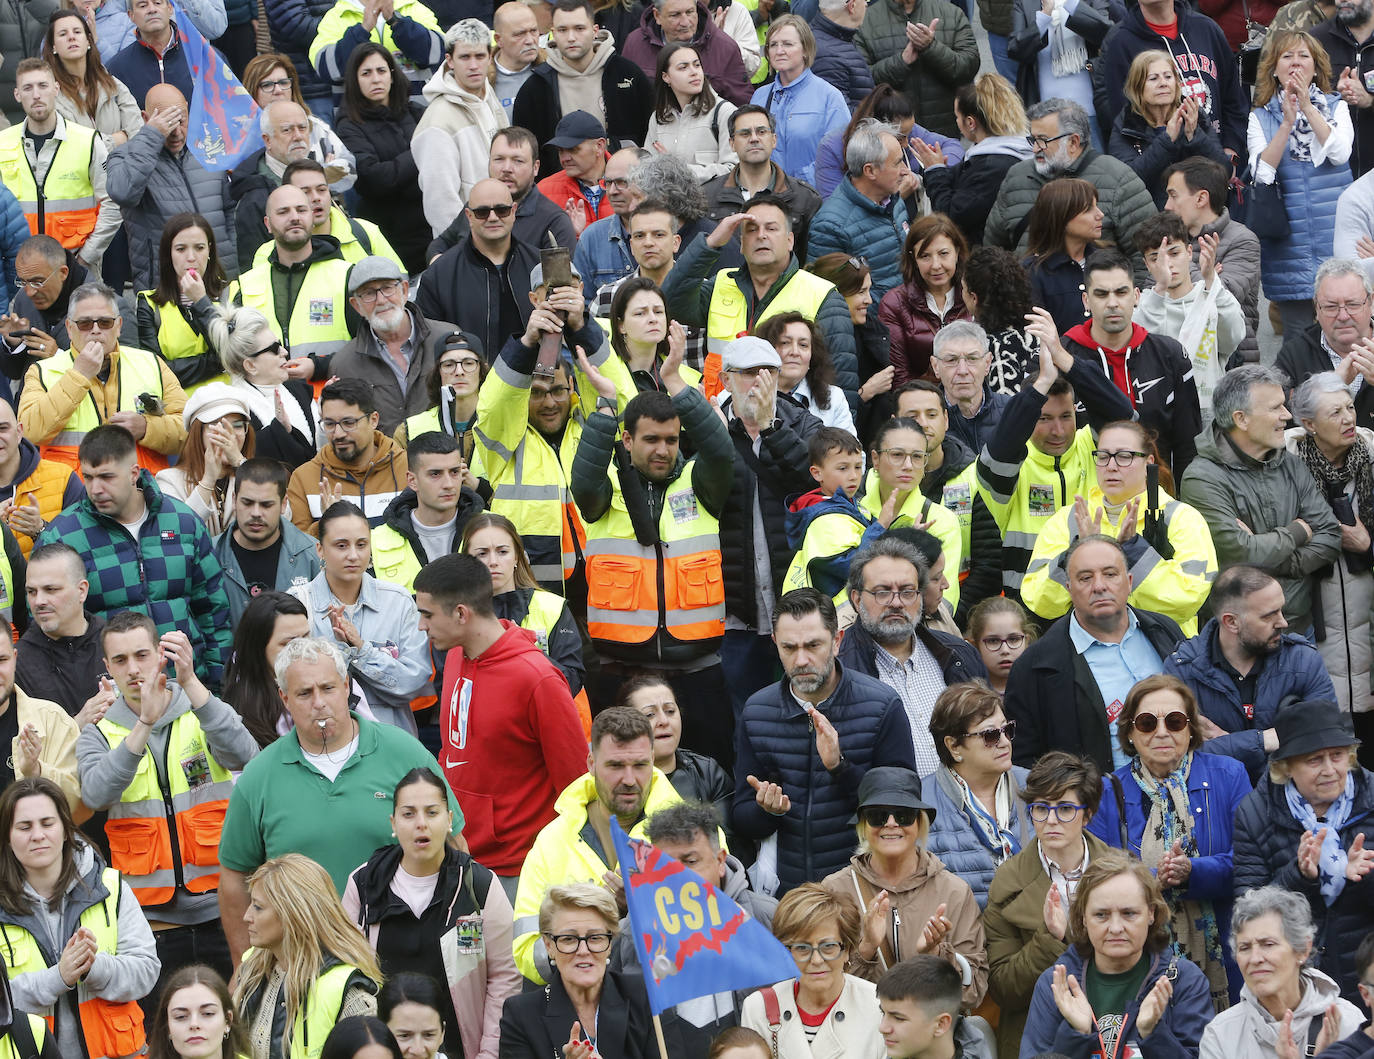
[1197, 935]
[994, 832]
[1332, 863]
[1300, 139]
[1333, 479]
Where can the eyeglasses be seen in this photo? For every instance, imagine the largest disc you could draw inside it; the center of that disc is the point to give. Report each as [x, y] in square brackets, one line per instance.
[464, 366]
[801, 951]
[369, 295]
[878, 815]
[331, 425]
[757, 132]
[996, 643]
[901, 457]
[1041, 142]
[275, 85]
[34, 284]
[556, 392]
[884, 596]
[615, 183]
[993, 736]
[1336, 308]
[965, 358]
[104, 323]
[1124, 457]
[502, 210]
[1063, 811]
[568, 944]
[1174, 721]
[275, 347]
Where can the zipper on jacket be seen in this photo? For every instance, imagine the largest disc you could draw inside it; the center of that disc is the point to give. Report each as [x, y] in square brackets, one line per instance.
[806, 817]
[170, 813]
[897, 933]
[1063, 482]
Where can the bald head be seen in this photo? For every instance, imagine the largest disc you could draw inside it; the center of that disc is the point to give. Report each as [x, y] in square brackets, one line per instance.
[517, 36]
[488, 228]
[169, 100]
[285, 128]
[288, 218]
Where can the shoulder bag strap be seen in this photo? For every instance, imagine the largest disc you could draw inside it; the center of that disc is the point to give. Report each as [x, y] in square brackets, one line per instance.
[772, 1011]
[1120, 793]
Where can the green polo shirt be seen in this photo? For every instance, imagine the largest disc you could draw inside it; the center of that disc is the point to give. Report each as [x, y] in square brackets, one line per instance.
[281, 804]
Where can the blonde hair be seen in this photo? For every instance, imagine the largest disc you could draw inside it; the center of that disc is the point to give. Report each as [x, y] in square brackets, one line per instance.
[1000, 109]
[1137, 74]
[922, 829]
[1280, 772]
[587, 896]
[314, 927]
[1274, 46]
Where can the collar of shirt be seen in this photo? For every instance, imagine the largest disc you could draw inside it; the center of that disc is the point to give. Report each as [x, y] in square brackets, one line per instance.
[888, 661]
[1084, 640]
[406, 347]
[1223, 663]
[1065, 882]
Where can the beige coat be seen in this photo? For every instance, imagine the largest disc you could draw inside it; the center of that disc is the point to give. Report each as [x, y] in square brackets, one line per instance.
[850, 1031]
[57, 759]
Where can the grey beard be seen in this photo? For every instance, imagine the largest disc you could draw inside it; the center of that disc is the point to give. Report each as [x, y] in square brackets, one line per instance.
[890, 631]
[1362, 13]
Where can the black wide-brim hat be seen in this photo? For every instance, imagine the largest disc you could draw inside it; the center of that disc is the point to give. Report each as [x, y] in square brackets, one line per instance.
[893, 787]
[1306, 727]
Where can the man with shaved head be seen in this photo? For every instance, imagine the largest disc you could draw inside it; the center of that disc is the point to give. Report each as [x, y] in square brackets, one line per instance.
[516, 35]
[154, 177]
[285, 128]
[300, 286]
[59, 653]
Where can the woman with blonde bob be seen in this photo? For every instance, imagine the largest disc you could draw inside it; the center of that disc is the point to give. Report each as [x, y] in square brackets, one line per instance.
[1284, 1000]
[1159, 124]
[308, 966]
[822, 929]
[1118, 984]
[909, 902]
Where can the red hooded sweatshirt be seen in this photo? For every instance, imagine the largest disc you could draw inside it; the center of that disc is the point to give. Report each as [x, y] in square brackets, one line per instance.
[511, 742]
[1113, 360]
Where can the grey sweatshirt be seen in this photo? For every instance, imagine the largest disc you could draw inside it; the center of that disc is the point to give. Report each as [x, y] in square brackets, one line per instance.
[128, 974]
[106, 773]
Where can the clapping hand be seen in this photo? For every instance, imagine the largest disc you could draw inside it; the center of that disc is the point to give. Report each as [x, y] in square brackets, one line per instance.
[1089, 523]
[935, 931]
[26, 762]
[1310, 851]
[94, 708]
[603, 386]
[23, 518]
[875, 925]
[78, 956]
[1071, 1000]
[1152, 1007]
[1358, 860]
[770, 796]
[1055, 913]
[1174, 867]
[344, 630]
[827, 739]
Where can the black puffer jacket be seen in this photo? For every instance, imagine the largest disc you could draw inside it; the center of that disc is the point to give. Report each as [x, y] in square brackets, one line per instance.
[779, 470]
[967, 191]
[1149, 151]
[388, 179]
[1266, 847]
[775, 741]
[699, 778]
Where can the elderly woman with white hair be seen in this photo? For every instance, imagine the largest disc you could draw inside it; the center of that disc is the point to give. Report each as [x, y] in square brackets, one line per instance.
[1286, 1008]
[1340, 456]
[281, 409]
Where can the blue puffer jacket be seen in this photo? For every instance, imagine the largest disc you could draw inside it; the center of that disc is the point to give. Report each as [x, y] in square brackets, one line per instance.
[839, 61]
[1177, 1035]
[14, 230]
[1294, 674]
[293, 25]
[775, 741]
[1216, 787]
[955, 840]
[852, 223]
[1288, 267]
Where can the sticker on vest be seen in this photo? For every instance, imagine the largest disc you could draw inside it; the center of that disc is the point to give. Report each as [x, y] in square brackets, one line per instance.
[957, 498]
[196, 769]
[321, 312]
[1114, 710]
[1369, 81]
[683, 506]
[469, 935]
[1041, 499]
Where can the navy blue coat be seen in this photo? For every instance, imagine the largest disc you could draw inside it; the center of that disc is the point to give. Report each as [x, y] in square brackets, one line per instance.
[955, 840]
[959, 660]
[839, 61]
[293, 25]
[1216, 786]
[1266, 852]
[774, 741]
[139, 68]
[1295, 674]
[1057, 287]
[1177, 1036]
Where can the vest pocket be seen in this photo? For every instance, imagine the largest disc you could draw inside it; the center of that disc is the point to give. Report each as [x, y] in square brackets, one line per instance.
[112, 1029]
[198, 830]
[138, 846]
[613, 583]
[700, 581]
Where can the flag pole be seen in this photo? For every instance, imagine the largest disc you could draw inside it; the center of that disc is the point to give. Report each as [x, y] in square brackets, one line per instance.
[658, 1032]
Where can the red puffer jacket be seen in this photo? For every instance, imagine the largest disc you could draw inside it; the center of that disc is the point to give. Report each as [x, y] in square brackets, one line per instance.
[912, 326]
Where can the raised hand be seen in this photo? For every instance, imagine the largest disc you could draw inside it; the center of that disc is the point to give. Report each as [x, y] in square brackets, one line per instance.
[927, 154]
[828, 740]
[1310, 851]
[26, 762]
[330, 494]
[576, 215]
[94, 708]
[279, 410]
[725, 230]
[770, 796]
[1285, 1047]
[1207, 257]
[344, 630]
[1152, 1007]
[176, 648]
[1358, 860]
[1130, 518]
[891, 506]
[875, 925]
[603, 386]
[1088, 523]
[935, 931]
[1055, 913]
[1071, 1000]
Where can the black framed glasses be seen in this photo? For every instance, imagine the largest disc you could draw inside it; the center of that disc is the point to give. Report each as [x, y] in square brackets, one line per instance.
[993, 736]
[1063, 811]
[878, 815]
[1174, 721]
[1122, 457]
[568, 944]
[1041, 142]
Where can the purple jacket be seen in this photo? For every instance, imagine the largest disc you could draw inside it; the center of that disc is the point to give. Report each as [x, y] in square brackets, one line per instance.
[719, 54]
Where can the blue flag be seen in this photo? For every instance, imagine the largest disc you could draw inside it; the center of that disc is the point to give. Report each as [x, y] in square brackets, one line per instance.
[222, 128]
[690, 938]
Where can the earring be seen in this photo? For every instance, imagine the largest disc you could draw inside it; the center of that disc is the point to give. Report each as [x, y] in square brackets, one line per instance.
[959, 758]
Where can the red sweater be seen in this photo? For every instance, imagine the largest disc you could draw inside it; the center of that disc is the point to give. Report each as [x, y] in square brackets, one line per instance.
[511, 742]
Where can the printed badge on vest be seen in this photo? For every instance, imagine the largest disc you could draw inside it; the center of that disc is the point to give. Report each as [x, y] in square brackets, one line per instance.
[1041, 498]
[957, 498]
[321, 312]
[683, 506]
[196, 768]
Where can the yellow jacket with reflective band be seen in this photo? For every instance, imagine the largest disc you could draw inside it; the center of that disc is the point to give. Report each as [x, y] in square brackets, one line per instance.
[529, 480]
[827, 536]
[48, 484]
[944, 524]
[1175, 587]
[727, 317]
[176, 338]
[65, 207]
[158, 833]
[1044, 484]
[317, 325]
[624, 602]
[6, 592]
[560, 855]
[132, 372]
[109, 1028]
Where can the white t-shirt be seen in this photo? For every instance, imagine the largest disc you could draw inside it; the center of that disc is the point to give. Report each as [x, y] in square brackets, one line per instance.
[137, 524]
[436, 540]
[331, 762]
[416, 891]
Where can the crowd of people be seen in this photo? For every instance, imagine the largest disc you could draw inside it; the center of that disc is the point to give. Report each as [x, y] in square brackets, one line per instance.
[844, 466]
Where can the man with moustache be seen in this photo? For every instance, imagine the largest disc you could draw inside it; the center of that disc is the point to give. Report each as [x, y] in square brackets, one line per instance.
[285, 129]
[1347, 36]
[821, 711]
[1104, 645]
[515, 35]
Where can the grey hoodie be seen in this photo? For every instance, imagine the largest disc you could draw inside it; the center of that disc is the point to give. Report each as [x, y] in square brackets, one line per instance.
[127, 974]
[107, 772]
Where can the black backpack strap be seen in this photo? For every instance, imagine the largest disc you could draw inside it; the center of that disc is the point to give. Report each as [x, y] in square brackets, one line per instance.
[360, 234]
[21, 1036]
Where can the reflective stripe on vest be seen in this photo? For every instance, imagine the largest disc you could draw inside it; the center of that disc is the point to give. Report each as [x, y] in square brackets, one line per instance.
[110, 1028]
[623, 602]
[529, 507]
[139, 372]
[65, 206]
[317, 324]
[143, 845]
[319, 1011]
[728, 315]
[176, 338]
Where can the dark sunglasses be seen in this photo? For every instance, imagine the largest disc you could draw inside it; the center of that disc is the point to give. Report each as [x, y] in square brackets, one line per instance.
[877, 815]
[993, 736]
[1174, 721]
[275, 347]
[483, 212]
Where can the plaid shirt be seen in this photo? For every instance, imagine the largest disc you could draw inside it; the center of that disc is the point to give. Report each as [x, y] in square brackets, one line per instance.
[919, 682]
[695, 354]
[170, 573]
